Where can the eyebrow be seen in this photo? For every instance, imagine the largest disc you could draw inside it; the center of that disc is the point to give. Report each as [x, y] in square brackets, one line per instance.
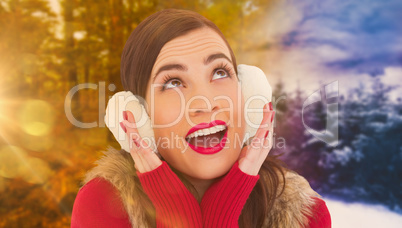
[176, 66]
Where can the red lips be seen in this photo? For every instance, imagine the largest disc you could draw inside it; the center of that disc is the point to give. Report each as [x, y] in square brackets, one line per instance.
[209, 150]
[206, 125]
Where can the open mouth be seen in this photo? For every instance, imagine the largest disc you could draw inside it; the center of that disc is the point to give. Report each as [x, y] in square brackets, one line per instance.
[208, 138]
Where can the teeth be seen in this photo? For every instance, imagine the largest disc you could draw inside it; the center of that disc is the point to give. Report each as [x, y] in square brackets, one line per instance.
[207, 131]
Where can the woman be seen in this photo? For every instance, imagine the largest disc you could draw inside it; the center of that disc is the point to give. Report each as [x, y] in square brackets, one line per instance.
[173, 55]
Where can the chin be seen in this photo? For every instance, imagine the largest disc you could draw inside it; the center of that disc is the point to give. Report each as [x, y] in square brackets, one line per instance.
[200, 166]
[215, 168]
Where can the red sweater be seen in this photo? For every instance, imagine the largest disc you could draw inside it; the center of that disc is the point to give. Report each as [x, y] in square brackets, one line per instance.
[98, 203]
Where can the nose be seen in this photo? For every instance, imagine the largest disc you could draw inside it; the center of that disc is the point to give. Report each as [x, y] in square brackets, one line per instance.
[198, 111]
[199, 103]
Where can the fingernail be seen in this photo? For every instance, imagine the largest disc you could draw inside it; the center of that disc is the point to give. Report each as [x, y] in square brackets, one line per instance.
[125, 115]
[270, 106]
[272, 117]
[124, 127]
[266, 134]
[136, 143]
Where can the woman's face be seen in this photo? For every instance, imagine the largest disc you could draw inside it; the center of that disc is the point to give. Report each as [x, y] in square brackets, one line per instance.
[199, 86]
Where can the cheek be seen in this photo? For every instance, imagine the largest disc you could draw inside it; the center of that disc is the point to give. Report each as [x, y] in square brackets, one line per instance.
[167, 110]
[239, 123]
[166, 121]
[239, 113]
[235, 95]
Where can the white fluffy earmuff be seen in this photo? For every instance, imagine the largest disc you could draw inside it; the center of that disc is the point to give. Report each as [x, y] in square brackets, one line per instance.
[256, 92]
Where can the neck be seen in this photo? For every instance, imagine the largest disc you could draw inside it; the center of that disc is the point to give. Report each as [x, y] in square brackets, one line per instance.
[200, 185]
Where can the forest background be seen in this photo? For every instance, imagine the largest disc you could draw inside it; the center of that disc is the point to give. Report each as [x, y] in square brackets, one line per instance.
[48, 47]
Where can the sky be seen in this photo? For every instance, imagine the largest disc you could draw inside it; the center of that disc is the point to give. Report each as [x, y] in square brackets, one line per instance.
[326, 40]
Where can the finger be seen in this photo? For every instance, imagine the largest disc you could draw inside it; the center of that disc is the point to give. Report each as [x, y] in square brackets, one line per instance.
[268, 143]
[256, 152]
[132, 135]
[134, 150]
[147, 168]
[271, 139]
[271, 126]
[149, 158]
[271, 130]
[265, 122]
[131, 124]
[137, 161]
[243, 152]
[149, 155]
[137, 150]
[140, 151]
[262, 131]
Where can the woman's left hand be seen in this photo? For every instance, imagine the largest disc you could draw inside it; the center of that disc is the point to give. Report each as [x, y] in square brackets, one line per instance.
[253, 156]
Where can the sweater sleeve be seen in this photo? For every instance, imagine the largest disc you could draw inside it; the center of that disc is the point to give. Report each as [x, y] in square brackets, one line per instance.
[224, 200]
[321, 217]
[98, 204]
[175, 206]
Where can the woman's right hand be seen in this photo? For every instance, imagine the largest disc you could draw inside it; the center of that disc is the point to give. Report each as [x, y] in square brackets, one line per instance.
[144, 158]
[175, 206]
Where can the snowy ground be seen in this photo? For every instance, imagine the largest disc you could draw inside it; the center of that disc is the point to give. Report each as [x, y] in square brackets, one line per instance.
[345, 215]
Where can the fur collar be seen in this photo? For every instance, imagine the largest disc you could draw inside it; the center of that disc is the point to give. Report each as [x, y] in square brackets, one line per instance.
[291, 209]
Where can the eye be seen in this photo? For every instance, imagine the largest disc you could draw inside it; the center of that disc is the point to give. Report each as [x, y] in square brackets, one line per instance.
[173, 82]
[220, 73]
[170, 82]
[223, 71]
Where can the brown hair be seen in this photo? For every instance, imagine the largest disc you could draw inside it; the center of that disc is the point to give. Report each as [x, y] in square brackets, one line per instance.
[138, 57]
[145, 42]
